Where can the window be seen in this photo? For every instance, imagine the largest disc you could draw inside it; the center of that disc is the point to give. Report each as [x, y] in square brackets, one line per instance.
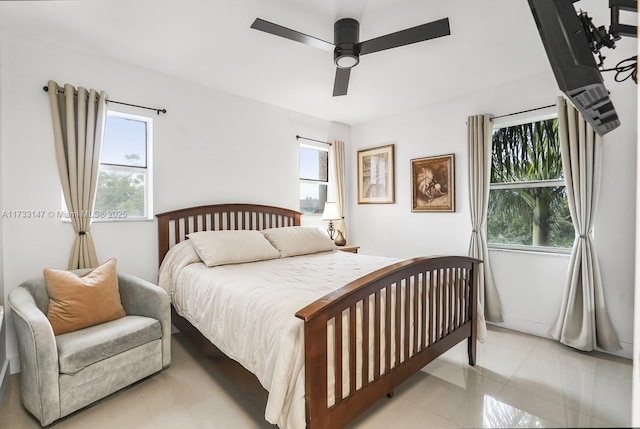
[314, 178]
[124, 179]
[527, 198]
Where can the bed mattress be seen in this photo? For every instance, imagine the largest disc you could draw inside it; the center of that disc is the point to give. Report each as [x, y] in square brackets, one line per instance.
[248, 312]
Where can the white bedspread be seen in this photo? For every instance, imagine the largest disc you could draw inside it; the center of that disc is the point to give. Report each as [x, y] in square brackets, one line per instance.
[248, 312]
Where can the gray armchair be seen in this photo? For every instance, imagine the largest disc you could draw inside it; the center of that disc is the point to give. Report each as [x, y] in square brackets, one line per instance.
[61, 374]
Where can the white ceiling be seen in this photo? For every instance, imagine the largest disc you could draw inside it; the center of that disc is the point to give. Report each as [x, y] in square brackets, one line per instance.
[209, 42]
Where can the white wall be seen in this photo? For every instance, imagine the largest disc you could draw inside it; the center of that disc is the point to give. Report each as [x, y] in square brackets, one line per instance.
[2, 67]
[530, 284]
[210, 147]
[635, 415]
[4, 362]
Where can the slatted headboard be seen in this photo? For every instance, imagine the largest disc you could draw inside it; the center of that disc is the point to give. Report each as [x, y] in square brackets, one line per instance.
[174, 226]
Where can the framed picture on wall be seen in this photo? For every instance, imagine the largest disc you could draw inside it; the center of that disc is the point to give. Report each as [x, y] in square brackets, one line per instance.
[376, 183]
[433, 184]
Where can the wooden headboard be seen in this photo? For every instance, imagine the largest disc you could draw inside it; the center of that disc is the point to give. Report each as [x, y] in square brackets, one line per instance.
[174, 226]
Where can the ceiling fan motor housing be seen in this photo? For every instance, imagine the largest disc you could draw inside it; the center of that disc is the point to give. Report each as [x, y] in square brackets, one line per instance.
[346, 35]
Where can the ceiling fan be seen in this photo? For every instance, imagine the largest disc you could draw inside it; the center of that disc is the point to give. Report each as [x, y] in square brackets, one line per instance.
[347, 48]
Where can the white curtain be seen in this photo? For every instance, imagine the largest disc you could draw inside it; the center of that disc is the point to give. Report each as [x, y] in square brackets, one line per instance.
[583, 322]
[78, 118]
[479, 131]
[337, 160]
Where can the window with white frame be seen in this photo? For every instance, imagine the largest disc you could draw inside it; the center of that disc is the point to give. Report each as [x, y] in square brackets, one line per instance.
[314, 178]
[124, 177]
[528, 205]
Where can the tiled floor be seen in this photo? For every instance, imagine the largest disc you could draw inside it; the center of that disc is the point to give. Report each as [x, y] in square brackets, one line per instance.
[519, 381]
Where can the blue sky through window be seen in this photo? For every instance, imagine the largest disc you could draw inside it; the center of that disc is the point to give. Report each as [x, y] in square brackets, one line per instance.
[313, 166]
[124, 137]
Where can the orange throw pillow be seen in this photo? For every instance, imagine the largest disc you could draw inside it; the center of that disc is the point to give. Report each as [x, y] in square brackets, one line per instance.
[81, 301]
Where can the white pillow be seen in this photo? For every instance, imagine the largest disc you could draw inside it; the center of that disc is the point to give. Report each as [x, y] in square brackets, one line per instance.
[299, 240]
[232, 247]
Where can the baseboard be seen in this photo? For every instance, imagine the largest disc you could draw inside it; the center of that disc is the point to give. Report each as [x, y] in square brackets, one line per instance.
[14, 364]
[541, 330]
[4, 379]
[4, 361]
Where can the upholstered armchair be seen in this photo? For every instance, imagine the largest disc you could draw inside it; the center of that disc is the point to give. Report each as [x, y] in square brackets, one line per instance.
[64, 373]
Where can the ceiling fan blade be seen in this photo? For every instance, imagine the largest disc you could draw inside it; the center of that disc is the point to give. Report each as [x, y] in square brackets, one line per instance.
[287, 33]
[341, 83]
[423, 32]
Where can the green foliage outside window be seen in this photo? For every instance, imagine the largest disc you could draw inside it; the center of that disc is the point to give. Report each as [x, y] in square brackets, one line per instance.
[528, 201]
[121, 190]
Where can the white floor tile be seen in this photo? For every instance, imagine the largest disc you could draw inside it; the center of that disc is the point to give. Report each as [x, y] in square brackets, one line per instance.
[519, 381]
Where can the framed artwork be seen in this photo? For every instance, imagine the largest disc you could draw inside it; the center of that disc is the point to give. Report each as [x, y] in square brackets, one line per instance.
[376, 184]
[433, 184]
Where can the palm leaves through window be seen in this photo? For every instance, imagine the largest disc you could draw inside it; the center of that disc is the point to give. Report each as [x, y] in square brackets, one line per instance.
[527, 200]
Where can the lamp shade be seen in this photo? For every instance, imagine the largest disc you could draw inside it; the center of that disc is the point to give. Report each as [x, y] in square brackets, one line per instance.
[330, 211]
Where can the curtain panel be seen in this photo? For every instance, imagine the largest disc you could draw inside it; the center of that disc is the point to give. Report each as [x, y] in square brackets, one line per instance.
[78, 117]
[337, 159]
[479, 131]
[583, 321]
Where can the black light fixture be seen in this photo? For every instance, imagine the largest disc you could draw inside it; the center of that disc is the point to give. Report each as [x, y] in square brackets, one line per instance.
[347, 48]
[346, 35]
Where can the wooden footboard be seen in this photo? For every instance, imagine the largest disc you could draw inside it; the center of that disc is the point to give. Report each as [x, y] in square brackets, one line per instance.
[380, 329]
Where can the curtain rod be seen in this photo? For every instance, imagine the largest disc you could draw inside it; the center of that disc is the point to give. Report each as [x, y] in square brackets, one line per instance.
[313, 140]
[523, 111]
[158, 111]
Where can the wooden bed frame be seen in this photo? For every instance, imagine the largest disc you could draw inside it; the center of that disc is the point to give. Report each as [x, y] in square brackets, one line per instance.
[434, 302]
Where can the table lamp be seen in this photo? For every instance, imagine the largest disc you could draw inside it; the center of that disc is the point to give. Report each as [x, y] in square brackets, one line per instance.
[331, 213]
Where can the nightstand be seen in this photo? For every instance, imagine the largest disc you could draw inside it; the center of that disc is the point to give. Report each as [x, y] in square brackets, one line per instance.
[349, 248]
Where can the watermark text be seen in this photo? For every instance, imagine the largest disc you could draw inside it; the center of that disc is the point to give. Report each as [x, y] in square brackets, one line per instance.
[64, 214]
